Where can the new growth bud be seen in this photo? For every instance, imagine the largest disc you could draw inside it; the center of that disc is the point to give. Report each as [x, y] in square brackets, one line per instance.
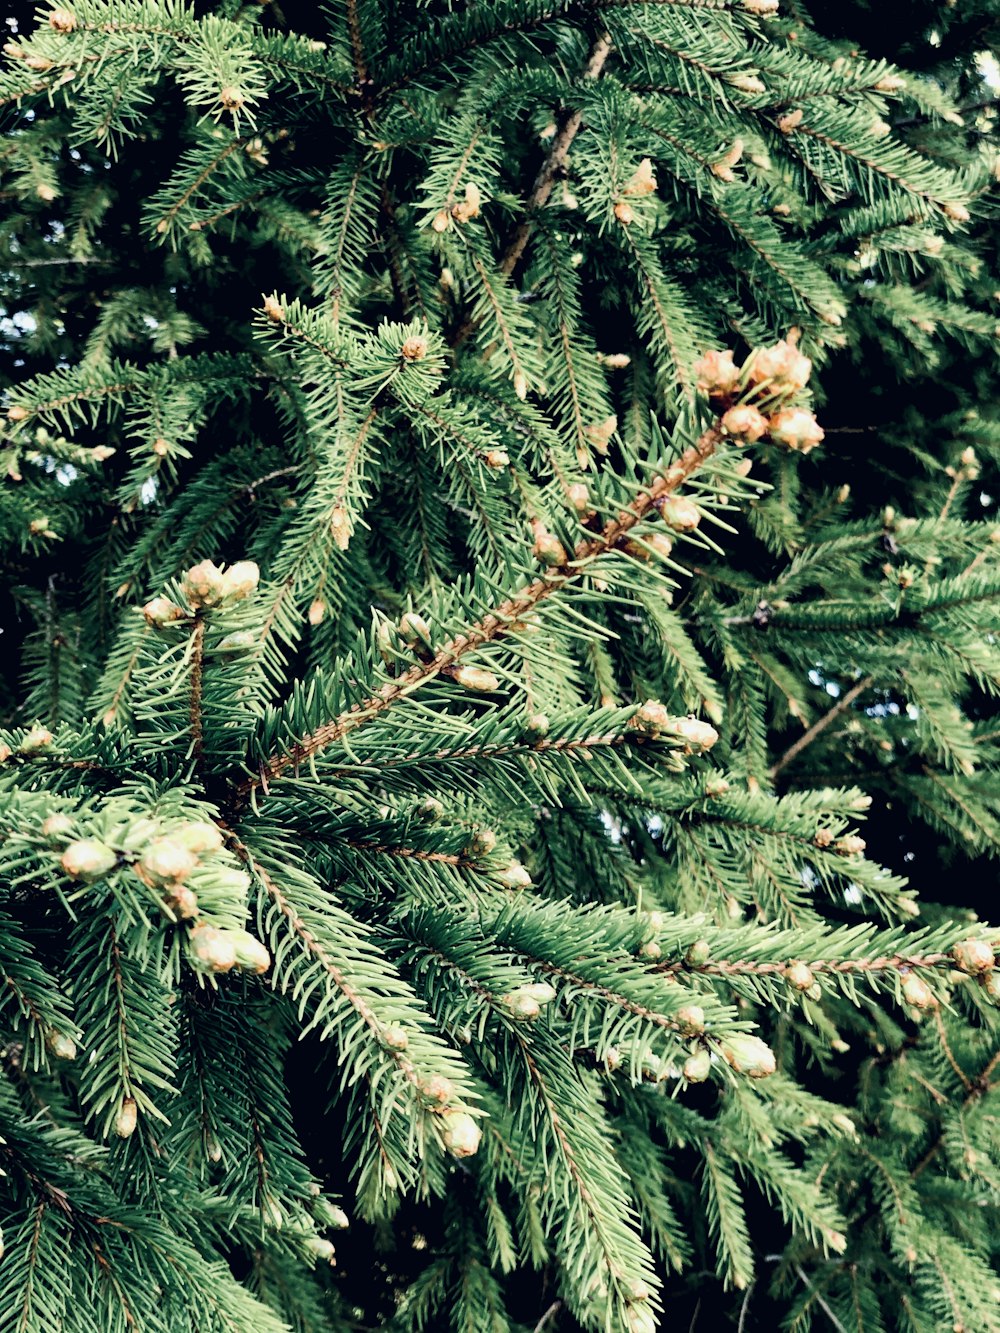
[783, 366]
[211, 950]
[679, 513]
[716, 374]
[917, 992]
[127, 1118]
[697, 1067]
[476, 678]
[746, 1054]
[460, 1134]
[88, 860]
[973, 956]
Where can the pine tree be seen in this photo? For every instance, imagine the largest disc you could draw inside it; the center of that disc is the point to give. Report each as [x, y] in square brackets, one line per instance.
[453, 670]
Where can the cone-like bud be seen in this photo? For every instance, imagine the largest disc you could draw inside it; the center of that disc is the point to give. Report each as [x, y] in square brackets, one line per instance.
[240, 580]
[437, 1090]
[796, 429]
[180, 902]
[211, 949]
[198, 837]
[166, 861]
[127, 1118]
[540, 991]
[747, 83]
[460, 1133]
[699, 953]
[538, 724]
[549, 549]
[744, 422]
[515, 876]
[88, 860]
[799, 976]
[469, 207]
[203, 584]
[251, 956]
[640, 1319]
[691, 1019]
[783, 366]
[652, 718]
[483, 842]
[57, 827]
[38, 738]
[414, 349]
[579, 497]
[62, 20]
[274, 310]
[395, 1038]
[695, 734]
[231, 98]
[334, 1216]
[746, 1054]
[161, 611]
[476, 678]
[521, 1005]
[679, 513]
[62, 1046]
[624, 213]
[975, 956]
[642, 181]
[852, 845]
[698, 1067]
[321, 1248]
[917, 992]
[660, 544]
[414, 629]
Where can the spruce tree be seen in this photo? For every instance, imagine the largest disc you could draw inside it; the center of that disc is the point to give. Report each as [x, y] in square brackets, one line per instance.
[461, 636]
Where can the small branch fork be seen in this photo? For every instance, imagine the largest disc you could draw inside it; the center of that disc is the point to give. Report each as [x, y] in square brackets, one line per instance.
[492, 626]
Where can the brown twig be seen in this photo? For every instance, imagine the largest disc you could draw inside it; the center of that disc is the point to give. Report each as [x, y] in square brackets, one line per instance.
[821, 725]
[492, 626]
[980, 1087]
[197, 683]
[554, 162]
[747, 967]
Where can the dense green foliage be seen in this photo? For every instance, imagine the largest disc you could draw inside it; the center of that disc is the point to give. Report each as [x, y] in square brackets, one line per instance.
[445, 697]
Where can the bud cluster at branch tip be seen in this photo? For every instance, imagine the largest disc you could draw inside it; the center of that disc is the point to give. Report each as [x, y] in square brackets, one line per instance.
[753, 399]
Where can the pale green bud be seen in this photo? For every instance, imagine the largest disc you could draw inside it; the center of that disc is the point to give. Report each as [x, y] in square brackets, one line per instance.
[88, 860]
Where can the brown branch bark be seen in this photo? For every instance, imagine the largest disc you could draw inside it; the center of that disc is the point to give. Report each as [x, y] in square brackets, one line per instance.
[197, 682]
[821, 725]
[554, 161]
[492, 626]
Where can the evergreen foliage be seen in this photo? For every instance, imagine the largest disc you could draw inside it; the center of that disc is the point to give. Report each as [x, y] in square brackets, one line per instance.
[446, 689]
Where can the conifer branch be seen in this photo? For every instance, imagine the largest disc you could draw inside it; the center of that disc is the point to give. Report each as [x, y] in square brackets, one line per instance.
[197, 686]
[898, 962]
[555, 160]
[821, 724]
[491, 627]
